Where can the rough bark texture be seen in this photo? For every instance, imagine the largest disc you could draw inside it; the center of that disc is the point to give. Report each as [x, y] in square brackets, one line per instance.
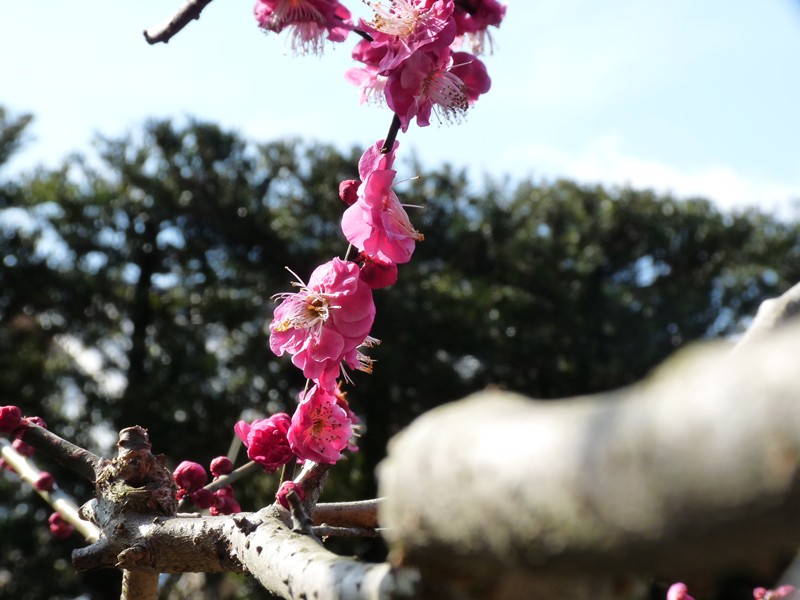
[695, 468]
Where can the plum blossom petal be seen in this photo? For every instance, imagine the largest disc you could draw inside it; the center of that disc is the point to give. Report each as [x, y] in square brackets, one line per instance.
[424, 84]
[265, 440]
[404, 27]
[321, 429]
[310, 22]
[324, 322]
[472, 24]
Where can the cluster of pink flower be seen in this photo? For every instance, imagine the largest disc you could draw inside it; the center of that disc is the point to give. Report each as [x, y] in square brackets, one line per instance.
[410, 54]
[191, 478]
[411, 51]
[413, 57]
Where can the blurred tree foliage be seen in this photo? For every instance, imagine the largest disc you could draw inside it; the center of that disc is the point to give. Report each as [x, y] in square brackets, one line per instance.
[136, 289]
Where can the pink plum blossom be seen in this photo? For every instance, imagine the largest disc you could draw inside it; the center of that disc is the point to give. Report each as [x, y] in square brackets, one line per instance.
[376, 272]
[310, 21]
[472, 72]
[678, 591]
[424, 84]
[377, 224]
[472, 22]
[325, 322]
[265, 440]
[321, 428]
[404, 27]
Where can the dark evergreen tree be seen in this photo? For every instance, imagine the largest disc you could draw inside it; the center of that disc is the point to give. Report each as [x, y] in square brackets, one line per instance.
[158, 262]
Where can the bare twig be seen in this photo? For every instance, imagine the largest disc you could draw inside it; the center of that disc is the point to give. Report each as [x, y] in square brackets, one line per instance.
[187, 13]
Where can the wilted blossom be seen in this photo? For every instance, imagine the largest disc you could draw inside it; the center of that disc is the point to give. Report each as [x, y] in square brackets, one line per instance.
[310, 22]
[321, 428]
[59, 527]
[404, 27]
[678, 591]
[190, 475]
[10, 419]
[265, 440]
[377, 224]
[325, 322]
[283, 492]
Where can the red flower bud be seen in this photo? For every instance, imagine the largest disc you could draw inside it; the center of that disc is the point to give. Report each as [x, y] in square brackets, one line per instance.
[203, 498]
[190, 475]
[221, 465]
[59, 527]
[23, 448]
[10, 418]
[348, 191]
[45, 482]
[283, 492]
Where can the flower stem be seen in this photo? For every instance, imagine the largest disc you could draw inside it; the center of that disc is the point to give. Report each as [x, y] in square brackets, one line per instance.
[394, 128]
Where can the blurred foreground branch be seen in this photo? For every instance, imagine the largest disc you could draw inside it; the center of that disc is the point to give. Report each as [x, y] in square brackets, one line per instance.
[691, 471]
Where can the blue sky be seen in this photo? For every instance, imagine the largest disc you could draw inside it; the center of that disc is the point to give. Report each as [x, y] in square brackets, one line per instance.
[696, 98]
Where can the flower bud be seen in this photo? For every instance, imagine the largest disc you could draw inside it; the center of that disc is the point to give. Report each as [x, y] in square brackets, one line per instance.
[283, 493]
[23, 448]
[348, 191]
[45, 482]
[221, 465]
[37, 421]
[190, 475]
[10, 418]
[59, 527]
[203, 498]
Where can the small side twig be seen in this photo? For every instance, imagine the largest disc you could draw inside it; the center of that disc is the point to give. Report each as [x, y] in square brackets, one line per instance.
[301, 522]
[187, 13]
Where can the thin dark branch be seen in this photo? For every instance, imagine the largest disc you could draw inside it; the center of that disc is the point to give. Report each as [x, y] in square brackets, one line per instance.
[394, 129]
[187, 13]
[67, 454]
